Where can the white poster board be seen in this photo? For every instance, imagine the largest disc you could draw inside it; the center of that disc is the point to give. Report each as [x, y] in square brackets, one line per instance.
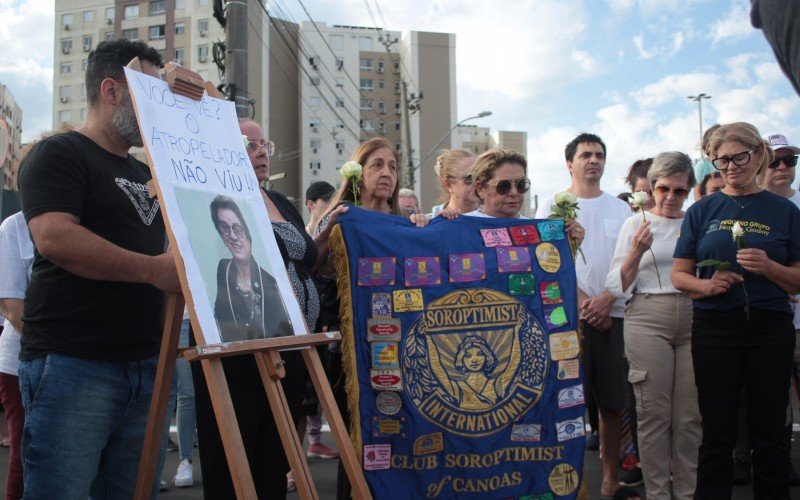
[214, 205]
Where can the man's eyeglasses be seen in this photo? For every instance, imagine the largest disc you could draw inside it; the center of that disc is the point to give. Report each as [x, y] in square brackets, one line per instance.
[676, 192]
[739, 159]
[789, 161]
[504, 187]
[225, 229]
[268, 146]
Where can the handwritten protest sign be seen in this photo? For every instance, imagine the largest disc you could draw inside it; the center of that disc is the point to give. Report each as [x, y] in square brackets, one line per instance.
[237, 280]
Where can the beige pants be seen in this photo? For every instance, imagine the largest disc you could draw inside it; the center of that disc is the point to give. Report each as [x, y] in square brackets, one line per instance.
[658, 334]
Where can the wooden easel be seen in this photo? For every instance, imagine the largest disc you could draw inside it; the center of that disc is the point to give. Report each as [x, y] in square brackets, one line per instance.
[268, 359]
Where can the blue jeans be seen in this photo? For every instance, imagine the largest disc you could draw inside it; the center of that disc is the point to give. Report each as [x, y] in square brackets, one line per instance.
[187, 421]
[84, 426]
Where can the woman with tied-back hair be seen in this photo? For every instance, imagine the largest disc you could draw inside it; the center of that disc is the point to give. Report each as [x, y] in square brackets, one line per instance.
[454, 170]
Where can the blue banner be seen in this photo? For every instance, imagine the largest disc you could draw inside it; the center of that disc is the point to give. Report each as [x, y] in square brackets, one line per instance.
[462, 337]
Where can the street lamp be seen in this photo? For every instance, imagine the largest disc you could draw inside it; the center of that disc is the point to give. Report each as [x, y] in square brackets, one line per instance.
[699, 98]
[482, 114]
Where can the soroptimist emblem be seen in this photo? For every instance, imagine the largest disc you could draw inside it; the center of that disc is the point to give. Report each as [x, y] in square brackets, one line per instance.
[474, 361]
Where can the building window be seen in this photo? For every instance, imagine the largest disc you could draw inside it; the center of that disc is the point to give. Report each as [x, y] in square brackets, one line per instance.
[315, 165]
[314, 101]
[339, 146]
[67, 20]
[65, 92]
[397, 125]
[88, 16]
[65, 116]
[380, 65]
[130, 34]
[314, 123]
[110, 15]
[87, 43]
[397, 66]
[366, 104]
[365, 43]
[66, 68]
[397, 87]
[202, 53]
[397, 146]
[158, 32]
[338, 123]
[339, 102]
[381, 107]
[339, 81]
[339, 63]
[179, 55]
[66, 45]
[158, 7]
[366, 84]
[365, 64]
[315, 144]
[109, 35]
[202, 26]
[367, 125]
[382, 127]
[336, 41]
[180, 28]
[130, 12]
[381, 84]
[397, 107]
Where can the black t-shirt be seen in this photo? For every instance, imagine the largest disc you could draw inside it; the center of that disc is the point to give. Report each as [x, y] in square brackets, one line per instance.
[75, 316]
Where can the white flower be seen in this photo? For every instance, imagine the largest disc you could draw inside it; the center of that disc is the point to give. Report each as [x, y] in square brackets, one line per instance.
[565, 197]
[245, 140]
[351, 170]
[737, 230]
[638, 199]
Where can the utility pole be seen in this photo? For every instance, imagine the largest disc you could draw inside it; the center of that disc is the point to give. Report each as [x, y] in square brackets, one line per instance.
[699, 98]
[236, 55]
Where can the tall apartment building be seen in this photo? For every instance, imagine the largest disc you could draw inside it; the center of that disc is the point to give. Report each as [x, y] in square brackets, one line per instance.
[10, 137]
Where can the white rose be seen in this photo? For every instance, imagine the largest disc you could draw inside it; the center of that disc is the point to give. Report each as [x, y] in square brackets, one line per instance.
[737, 230]
[351, 170]
[638, 199]
[565, 197]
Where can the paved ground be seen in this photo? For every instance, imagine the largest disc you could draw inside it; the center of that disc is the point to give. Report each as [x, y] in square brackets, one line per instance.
[324, 472]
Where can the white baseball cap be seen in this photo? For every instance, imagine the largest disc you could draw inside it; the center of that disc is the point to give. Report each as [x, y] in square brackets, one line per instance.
[779, 141]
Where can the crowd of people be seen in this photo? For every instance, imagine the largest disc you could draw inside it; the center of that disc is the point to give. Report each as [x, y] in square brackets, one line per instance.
[687, 316]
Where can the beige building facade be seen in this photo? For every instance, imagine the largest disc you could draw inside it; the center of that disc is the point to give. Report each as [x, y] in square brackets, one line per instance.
[10, 137]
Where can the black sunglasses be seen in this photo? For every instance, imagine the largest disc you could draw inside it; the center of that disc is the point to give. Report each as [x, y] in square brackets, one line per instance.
[504, 187]
[789, 161]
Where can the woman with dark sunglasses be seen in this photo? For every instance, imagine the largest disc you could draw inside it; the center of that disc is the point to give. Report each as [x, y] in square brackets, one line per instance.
[742, 329]
[658, 332]
[500, 183]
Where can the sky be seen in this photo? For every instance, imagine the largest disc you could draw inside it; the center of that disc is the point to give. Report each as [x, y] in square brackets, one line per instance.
[554, 68]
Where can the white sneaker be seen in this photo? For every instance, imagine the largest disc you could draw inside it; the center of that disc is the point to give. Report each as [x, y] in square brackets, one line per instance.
[185, 475]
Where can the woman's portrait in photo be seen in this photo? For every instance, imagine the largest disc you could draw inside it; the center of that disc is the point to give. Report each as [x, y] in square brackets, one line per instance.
[248, 304]
[477, 386]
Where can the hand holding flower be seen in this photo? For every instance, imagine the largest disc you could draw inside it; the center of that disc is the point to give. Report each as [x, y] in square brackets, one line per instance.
[565, 207]
[639, 200]
[754, 260]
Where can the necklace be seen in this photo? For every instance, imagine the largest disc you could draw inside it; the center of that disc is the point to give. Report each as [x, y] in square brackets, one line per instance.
[742, 205]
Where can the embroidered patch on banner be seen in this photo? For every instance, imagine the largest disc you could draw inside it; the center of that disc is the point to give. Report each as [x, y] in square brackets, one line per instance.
[384, 355]
[570, 396]
[386, 380]
[429, 443]
[513, 259]
[381, 305]
[563, 479]
[377, 271]
[521, 284]
[526, 433]
[383, 427]
[407, 300]
[550, 292]
[564, 345]
[496, 237]
[540, 496]
[388, 402]
[568, 369]
[548, 257]
[377, 456]
[383, 329]
[555, 317]
[551, 230]
[524, 235]
[467, 267]
[422, 271]
[570, 429]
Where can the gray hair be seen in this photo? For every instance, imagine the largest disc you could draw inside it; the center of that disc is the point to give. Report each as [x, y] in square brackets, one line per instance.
[671, 163]
[407, 193]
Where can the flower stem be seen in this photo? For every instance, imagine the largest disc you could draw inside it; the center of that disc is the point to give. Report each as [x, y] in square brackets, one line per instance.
[655, 264]
[746, 301]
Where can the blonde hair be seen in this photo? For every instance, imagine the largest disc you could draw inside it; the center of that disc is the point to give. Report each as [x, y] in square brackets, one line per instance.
[493, 159]
[445, 168]
[746, 134]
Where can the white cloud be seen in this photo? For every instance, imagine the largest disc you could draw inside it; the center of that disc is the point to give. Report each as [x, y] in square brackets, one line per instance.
[734, 26]
[638, 40]
[666, 51]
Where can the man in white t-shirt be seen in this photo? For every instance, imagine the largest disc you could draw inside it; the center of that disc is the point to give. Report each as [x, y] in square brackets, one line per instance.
[605, 367]
[778, 179]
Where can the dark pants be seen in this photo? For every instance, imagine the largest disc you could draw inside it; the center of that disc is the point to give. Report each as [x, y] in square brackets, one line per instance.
[731, 352]
[262, 443]
[15, 414]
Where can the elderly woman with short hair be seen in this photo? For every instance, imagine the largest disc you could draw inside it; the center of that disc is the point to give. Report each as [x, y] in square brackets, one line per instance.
[658, 331]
